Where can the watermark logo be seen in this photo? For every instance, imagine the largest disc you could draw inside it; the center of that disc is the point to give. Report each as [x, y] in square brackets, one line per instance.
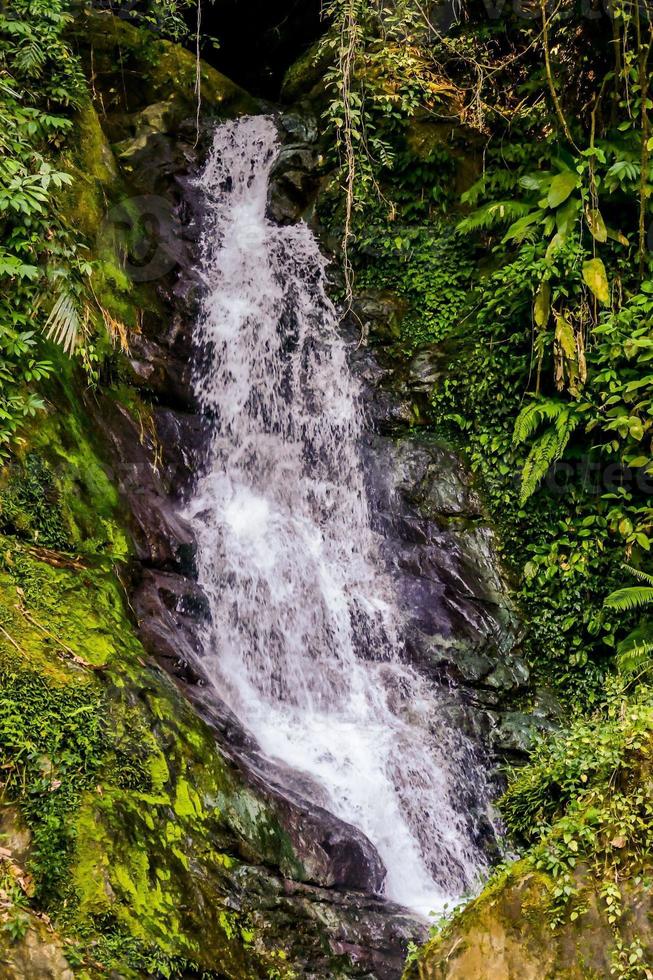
[147, 233]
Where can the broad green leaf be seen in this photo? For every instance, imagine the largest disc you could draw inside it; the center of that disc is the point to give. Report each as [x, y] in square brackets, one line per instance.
[556, 242]
[596, 279]
[617, 236]
[566, 216]
[561, 187]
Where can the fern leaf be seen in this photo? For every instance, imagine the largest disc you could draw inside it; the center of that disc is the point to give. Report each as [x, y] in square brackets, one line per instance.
[493, 214]
[527, 422]
[546, 451]
[634, 652]
[638, 573]
[624, 600]
[64, 324]
[532, 415]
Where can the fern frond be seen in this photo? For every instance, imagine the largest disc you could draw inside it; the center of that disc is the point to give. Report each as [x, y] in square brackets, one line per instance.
[546, 451]
[535, 413]
[64, 323]
[624, 600]
[634, 652]
[638, 573]
[493, 214]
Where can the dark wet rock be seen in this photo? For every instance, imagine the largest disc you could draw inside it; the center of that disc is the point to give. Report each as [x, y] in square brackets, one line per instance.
[293, 183]
[169, 608]
[430, 477]
[183, 437]
[368, 937]
[513, 731]
[449, 656]
[300, 127]
[162, 538]
[157, 374]
[461, 626]
[426, 369]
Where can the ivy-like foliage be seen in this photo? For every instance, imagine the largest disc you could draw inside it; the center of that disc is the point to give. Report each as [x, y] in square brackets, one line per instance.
[582, 803]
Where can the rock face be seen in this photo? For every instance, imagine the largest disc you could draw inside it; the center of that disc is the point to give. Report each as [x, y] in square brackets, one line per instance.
[36, 956]
[507, 935]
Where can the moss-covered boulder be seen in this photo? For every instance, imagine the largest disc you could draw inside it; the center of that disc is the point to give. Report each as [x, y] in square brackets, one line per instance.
[509, 933]
[579, 905]
[132, 68]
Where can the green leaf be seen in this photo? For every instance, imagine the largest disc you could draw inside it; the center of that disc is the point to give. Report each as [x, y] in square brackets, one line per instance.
[617, 236]
[519, 229]
[561, 187]
[564, 334]
[634, 652]
[596, 224]
[596, 279]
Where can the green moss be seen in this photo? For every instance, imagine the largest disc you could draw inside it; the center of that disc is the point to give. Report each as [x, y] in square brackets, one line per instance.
[120, 784]
[95, 175]
[133, 70]
[57, 494]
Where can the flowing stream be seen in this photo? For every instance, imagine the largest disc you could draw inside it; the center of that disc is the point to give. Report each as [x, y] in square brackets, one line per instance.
[305, 639]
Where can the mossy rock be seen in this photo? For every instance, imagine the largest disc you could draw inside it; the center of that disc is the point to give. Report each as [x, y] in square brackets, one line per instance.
[304, 78]
[508, 933]
[137, 822]
[139, 829]
[132, 69]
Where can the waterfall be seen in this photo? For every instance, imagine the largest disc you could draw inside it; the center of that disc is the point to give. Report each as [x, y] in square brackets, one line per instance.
[304, 642]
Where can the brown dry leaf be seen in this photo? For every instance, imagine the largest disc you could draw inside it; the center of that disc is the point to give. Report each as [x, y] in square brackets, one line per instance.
[22, 879]
[5, 852]
[116, 329]
[618, 842]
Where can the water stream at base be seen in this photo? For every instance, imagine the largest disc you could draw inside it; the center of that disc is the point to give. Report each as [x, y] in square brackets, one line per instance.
[305, 639]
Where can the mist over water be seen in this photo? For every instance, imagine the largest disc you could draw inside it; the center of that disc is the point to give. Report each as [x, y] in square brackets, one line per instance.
[305, 638]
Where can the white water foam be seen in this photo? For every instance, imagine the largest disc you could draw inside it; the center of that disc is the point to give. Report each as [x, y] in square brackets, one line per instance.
[305, 639]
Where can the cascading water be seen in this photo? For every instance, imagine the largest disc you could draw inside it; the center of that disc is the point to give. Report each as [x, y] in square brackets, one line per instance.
[305, 639]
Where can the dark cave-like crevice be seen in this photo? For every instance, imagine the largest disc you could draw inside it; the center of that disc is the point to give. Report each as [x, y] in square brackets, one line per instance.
[259, 39]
